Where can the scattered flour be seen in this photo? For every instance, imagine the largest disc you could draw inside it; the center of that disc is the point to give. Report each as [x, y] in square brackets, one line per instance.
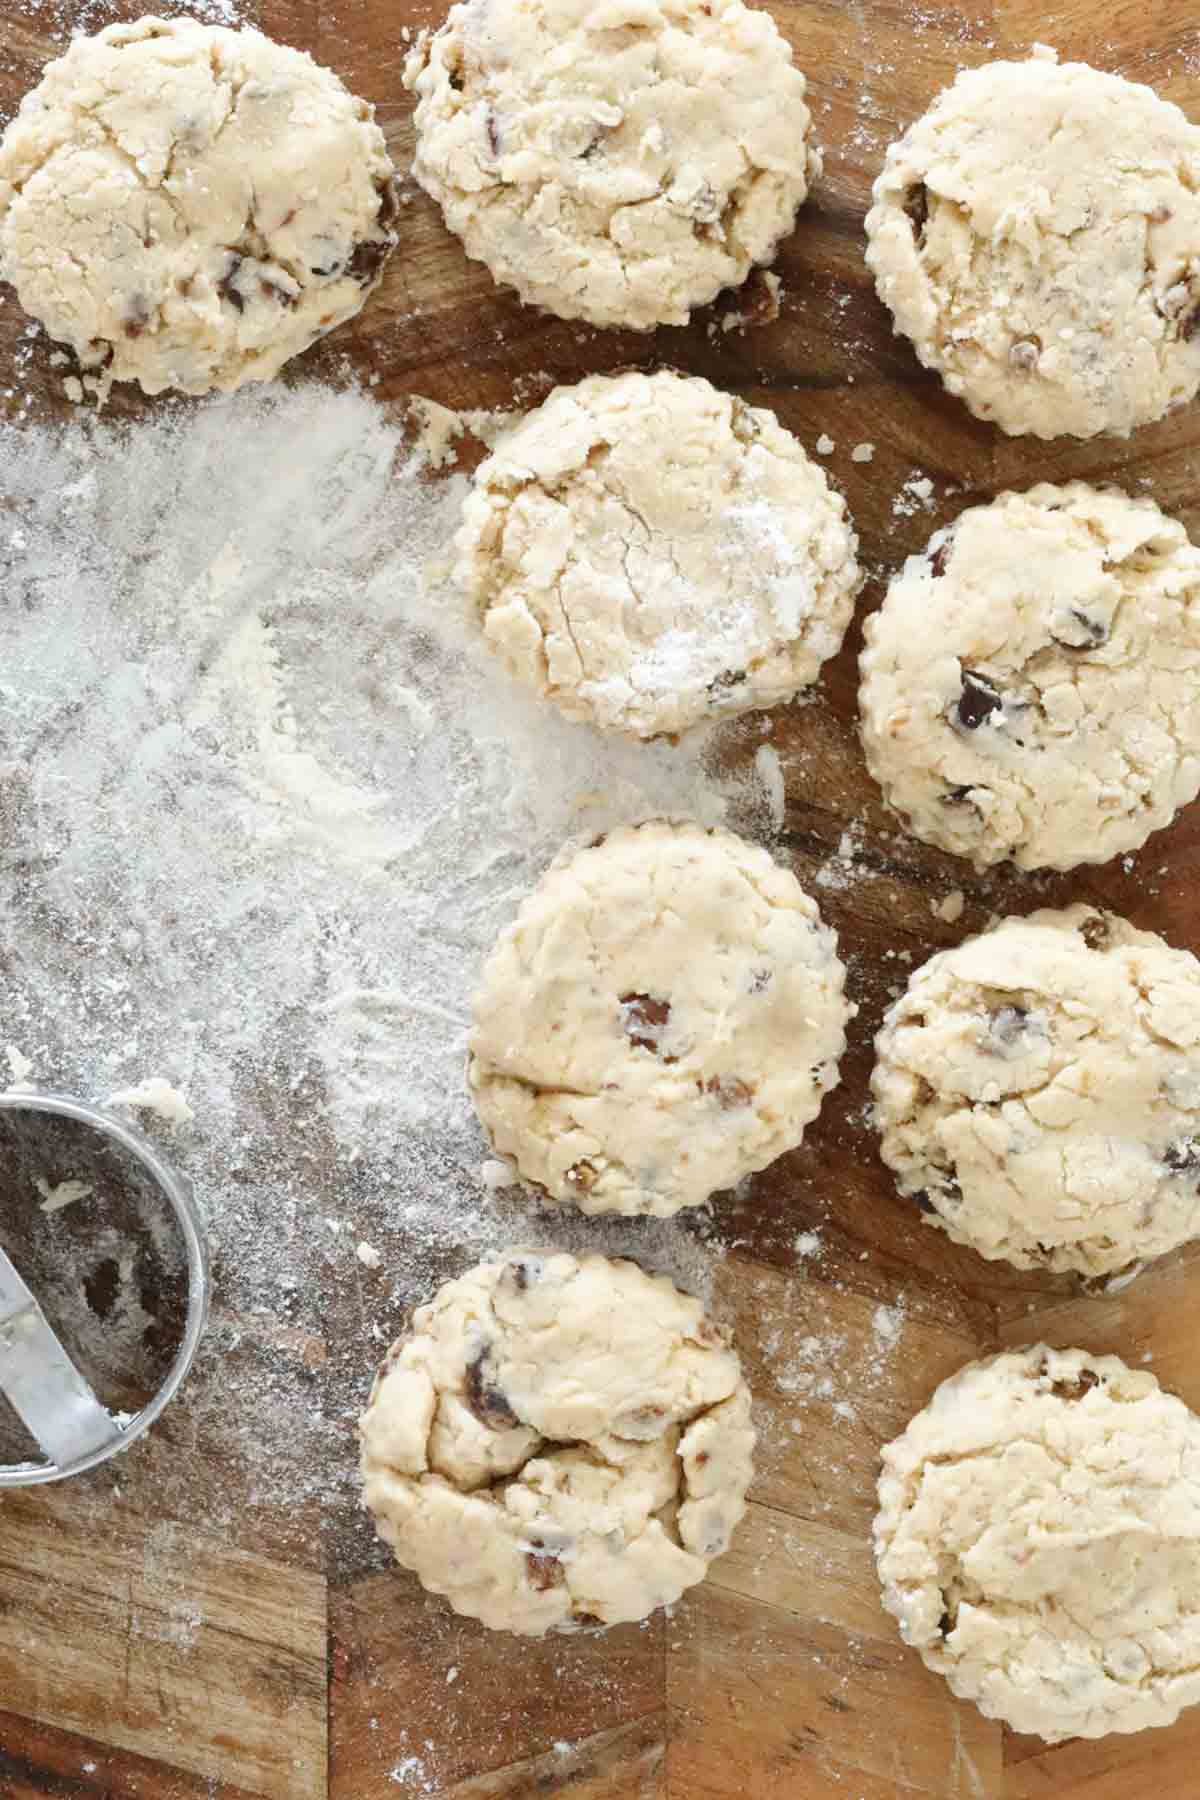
[842, 869]
[888, 1325]
[770, 773]
[267, 802]
[411, 1773]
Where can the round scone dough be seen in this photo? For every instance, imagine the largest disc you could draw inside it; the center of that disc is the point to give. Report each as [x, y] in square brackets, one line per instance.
[664, 1016]
[1037, 1090]
[1037, 235]
[1038, 1538]
[648, 553]
[188, 207]
[1031, 684]
[558, 1443]
[618, 161]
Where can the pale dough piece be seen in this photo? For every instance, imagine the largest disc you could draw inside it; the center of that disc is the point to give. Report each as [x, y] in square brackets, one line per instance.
[1038, 1092]
[1030, 685]
[648, 553]
[619, 161]
[664, 1016]
[558, 1443]
[1037, 235]
[1038, 1539]
[188, 207]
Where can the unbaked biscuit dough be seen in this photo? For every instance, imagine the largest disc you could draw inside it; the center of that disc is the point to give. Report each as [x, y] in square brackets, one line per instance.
[618, 161]
[1038, 1538]
[1037, 235]
[1037, 1089]
[1031, 685]
[558, 1443]
[648, 553]
[664, 1016]
[188, 207]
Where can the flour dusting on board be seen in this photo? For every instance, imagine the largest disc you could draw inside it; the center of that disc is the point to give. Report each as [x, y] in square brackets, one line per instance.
[267, 803]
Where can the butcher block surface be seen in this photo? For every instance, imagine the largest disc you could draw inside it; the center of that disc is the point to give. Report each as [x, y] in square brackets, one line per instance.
[146, 1652]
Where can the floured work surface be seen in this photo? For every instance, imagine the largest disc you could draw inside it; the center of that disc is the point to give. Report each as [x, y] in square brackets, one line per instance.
[262, 813]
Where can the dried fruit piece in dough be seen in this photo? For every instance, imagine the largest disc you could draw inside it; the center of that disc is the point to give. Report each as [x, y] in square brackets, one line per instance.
[558, 1443]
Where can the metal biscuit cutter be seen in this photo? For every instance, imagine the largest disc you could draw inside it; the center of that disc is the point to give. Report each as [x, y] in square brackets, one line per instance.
[37, 1376]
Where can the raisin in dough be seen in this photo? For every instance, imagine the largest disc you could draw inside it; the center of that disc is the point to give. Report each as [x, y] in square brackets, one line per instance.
[1038, 1089]
[1038, 1538]
[1030, 685]
[188, 207]
[1037, 235]
[648, 553]
[664, 1016]
[558, 1443]
[619, 161]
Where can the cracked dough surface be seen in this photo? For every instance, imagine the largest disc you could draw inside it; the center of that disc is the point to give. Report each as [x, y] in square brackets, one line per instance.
[648, 553]
[1038, 1539]
[558, 1442]
[619, 161]
[1030, 685]
[1037, 1089]
[188, 207]
[664, 1016]
[1037, 236]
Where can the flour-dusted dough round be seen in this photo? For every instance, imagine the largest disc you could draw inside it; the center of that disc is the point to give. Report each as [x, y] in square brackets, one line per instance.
[648, 553]
[1031, 685]
[558, 1442]
[664, 1016]
[1038, 1090]
[619, 161]
[1037, 235]
[1038, 1539]
[188, 207]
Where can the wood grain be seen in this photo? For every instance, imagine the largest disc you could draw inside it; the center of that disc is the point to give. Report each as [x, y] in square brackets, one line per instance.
[162, 1634]
[206, 1659]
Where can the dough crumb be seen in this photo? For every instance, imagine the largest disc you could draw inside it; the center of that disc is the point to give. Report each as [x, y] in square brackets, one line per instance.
[808, 1243]
[862, 453]
[19, 1066]
[157, 1096]
[951, 908]
[54, 1198]
[915, 495]
[826, 445]
[368, 1256]
[73, 389]
[490, 427]
[496, 1174]
[438, 430]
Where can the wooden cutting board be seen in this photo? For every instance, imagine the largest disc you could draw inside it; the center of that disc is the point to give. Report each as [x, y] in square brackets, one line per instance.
[143, 1651]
